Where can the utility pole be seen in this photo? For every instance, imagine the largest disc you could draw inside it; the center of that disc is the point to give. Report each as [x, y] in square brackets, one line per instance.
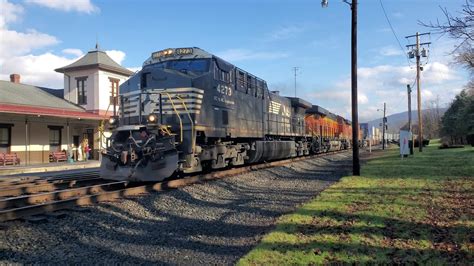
[355, 115]
[409, 119]
[384, 120]
[418, 92]
[295, 69]
[417, 53]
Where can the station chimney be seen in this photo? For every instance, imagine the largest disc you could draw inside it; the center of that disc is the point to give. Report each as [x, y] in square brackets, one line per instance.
[15, 78]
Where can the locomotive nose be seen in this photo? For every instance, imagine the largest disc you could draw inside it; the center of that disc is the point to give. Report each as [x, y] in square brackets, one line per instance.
[166, 78]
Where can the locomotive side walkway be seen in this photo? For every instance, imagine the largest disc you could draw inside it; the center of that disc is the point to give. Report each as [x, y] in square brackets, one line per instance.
[212, 223]
[417, 210]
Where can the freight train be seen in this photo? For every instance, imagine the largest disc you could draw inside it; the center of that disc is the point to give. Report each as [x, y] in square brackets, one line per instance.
[188, 110]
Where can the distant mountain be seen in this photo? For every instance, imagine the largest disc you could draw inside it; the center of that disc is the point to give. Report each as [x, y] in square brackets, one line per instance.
[396, 121]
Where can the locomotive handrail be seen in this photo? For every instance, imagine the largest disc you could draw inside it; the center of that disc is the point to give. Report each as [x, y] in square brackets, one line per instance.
[177, 113]
[193, 142]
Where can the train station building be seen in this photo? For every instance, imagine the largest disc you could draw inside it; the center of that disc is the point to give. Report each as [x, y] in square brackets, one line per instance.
[36, 121]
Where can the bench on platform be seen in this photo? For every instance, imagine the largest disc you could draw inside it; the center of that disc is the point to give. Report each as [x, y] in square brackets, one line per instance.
[57, 156]
[9, 159]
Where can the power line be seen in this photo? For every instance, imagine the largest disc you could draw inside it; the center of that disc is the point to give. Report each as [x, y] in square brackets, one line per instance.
[394, 34]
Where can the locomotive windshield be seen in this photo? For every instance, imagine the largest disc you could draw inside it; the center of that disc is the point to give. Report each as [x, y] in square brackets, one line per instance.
[194, 65]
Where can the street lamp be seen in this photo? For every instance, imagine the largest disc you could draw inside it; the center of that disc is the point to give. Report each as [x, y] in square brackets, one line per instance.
[355, 116]
[384, 121]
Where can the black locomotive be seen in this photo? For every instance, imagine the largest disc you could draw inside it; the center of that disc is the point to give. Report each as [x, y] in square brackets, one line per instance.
[188, 110]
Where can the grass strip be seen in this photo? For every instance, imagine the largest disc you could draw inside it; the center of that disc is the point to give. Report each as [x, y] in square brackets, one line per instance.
[415, 210]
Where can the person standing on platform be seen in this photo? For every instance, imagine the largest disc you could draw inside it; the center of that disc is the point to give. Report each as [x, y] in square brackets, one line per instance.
[70, 153]
[87, 149]
[79, 153]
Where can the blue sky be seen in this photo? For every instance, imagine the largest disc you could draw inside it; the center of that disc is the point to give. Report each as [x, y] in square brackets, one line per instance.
[266, 38]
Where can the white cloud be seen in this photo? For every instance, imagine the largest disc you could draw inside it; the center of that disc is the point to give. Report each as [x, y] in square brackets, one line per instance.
[383, 30]
[9, 12]
[339, 97]
[84, 6]
[397, 15]
[15, 43]
[427, 95]
[74, 52]
[387, 83]
[116, 55]
[17, 50]
[36, 69]
[286, 32]
[244, 54]
[437, 73]
[390, 51]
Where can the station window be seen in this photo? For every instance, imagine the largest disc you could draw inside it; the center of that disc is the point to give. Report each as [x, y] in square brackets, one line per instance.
[114, 91]
[5, 137]
[81, 90]
[54, 138]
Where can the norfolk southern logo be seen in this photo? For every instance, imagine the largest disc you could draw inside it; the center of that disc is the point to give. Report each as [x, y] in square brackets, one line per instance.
[274, 108]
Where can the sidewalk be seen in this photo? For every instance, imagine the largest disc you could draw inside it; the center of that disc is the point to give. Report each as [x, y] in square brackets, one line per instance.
[49, 167]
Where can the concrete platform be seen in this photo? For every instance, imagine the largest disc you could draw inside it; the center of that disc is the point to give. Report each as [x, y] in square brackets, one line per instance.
[50, 167]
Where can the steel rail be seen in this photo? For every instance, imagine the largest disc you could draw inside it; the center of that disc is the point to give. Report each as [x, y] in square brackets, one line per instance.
[24, 200]
[70, 201]
[34, 180]
[47, 186]
[20, 180]
[50, 179]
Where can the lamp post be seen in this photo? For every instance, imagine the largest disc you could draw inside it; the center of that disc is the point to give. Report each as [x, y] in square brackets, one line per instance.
[355, 116]
[384, 121]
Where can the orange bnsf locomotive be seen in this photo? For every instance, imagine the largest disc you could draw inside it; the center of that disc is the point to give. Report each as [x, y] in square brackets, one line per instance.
[328, 131]
[188, 110]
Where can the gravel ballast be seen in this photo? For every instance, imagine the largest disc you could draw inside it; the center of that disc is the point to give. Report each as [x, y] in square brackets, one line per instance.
[215, 222]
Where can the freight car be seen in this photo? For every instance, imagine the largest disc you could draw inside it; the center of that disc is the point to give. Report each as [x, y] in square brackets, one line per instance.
[187, 110]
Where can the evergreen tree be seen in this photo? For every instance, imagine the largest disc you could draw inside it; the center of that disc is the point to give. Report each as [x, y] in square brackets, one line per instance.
[458, 121]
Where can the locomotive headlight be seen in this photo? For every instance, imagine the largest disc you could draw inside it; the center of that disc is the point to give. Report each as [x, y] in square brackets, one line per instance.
[112, 121]
[152, 119]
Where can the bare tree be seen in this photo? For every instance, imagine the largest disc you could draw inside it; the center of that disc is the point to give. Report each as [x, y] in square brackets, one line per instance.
[461, 28]
[470, 88]
[457, 124]
[432, 118]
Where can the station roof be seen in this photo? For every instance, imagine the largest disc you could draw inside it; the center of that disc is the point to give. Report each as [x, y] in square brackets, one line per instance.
[18, 98]
[96, 59]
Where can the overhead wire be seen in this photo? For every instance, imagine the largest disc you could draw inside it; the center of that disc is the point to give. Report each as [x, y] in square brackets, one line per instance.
[399, 45]
[394, 34]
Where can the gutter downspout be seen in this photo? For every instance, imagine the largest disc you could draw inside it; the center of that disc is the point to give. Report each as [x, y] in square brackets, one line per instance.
[68, 139]
[26, 141]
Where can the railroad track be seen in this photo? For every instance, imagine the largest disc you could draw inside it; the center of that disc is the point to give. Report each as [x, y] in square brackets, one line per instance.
[33, 196]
